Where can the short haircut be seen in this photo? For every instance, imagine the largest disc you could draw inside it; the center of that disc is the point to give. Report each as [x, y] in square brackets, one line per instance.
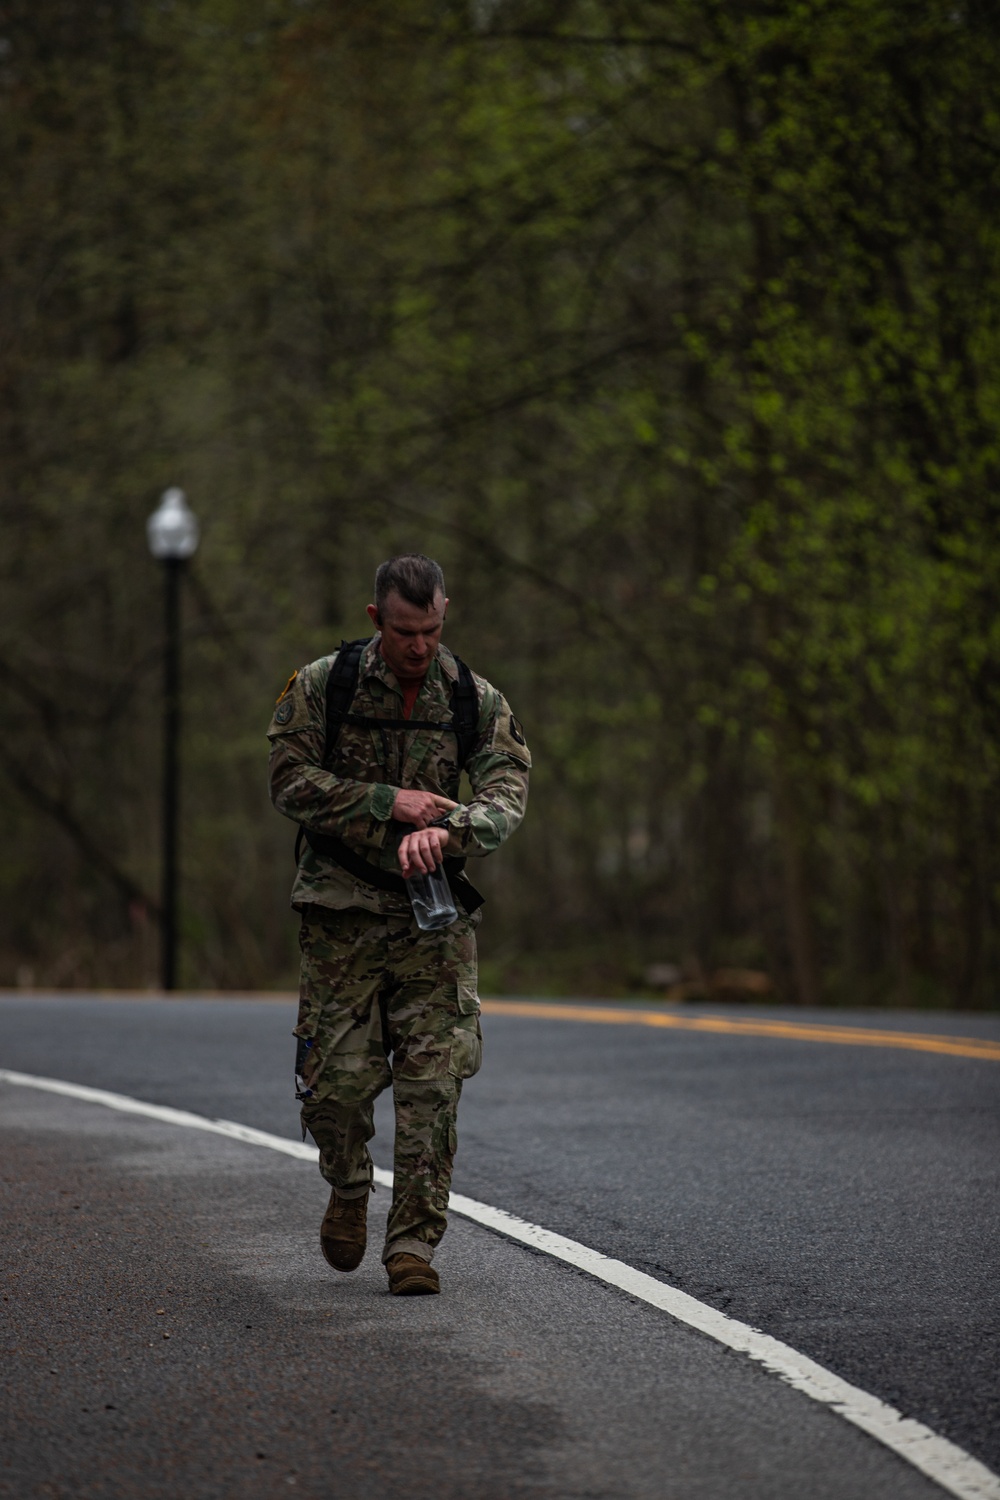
[415, 577]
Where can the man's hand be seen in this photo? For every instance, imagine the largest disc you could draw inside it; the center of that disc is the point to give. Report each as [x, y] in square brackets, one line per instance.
[420, 808]
[419, 852]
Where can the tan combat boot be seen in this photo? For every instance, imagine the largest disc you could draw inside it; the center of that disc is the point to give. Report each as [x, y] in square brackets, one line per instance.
[409, 1276]
[343, 1234]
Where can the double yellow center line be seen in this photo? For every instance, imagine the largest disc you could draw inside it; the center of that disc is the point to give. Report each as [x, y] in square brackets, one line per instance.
[798, 1031]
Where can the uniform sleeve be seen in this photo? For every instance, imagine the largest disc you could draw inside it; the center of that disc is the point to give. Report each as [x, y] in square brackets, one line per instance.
[498, 771]
[356, 811]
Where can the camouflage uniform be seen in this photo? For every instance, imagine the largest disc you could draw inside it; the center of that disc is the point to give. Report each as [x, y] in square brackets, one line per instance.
[372, 983]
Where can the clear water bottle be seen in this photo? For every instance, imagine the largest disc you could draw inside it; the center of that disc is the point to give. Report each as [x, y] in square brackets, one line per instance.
[431, 899]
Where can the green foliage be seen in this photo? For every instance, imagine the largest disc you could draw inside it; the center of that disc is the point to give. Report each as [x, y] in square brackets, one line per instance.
[671, 331]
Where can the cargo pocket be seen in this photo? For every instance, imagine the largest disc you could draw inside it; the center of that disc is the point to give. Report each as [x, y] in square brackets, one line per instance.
[467, 1037]
[466, 1047]
[468, 997]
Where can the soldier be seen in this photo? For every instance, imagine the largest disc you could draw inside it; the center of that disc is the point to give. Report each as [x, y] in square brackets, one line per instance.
[367, 746]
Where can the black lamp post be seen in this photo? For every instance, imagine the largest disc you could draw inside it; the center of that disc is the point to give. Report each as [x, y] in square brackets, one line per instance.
[173, 537]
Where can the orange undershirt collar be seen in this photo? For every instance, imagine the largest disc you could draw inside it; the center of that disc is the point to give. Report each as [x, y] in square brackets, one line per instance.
[410, 691]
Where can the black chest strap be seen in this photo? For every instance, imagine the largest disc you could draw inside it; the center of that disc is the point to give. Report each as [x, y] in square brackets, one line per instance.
[342, 684]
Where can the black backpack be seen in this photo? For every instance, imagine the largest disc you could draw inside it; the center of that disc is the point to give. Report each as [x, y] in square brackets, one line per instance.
[340, 689]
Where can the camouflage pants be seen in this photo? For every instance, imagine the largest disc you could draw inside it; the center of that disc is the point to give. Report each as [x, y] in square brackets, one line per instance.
[373, 987]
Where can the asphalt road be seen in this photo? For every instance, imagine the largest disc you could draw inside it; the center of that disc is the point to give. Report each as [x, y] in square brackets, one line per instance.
[843, 1199]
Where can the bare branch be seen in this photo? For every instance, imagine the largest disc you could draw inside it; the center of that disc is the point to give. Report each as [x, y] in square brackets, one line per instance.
[57, 808]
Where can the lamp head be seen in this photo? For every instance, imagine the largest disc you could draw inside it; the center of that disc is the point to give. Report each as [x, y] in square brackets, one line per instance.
[172, 529]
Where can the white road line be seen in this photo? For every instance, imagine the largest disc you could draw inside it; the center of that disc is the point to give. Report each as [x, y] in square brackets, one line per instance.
[951, 1467]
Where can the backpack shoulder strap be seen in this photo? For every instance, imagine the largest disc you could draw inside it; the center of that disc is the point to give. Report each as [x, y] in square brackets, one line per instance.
[465, 712]
[341, 686]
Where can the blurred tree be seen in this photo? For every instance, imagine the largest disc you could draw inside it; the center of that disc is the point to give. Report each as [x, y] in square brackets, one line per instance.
[670, 329]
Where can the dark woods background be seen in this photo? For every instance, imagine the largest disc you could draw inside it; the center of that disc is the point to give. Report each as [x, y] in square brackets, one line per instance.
[671, 329]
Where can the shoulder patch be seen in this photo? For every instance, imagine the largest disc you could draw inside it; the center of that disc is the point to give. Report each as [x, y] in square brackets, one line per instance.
[508, 736]
[291, 712]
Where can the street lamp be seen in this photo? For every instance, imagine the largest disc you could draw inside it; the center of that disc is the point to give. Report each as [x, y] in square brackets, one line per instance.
[172, 531]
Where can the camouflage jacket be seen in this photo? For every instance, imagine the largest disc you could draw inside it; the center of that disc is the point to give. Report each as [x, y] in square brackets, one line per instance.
[353, 800]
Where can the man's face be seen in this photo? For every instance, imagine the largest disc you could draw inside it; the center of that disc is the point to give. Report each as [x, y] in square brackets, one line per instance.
[410, 635]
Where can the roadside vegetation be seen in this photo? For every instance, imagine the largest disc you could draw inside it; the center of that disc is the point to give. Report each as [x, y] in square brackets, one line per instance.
[670, 329]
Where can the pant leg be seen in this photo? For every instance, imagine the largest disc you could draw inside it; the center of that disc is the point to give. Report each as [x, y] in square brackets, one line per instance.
[433, 1017]
[341, 1061]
